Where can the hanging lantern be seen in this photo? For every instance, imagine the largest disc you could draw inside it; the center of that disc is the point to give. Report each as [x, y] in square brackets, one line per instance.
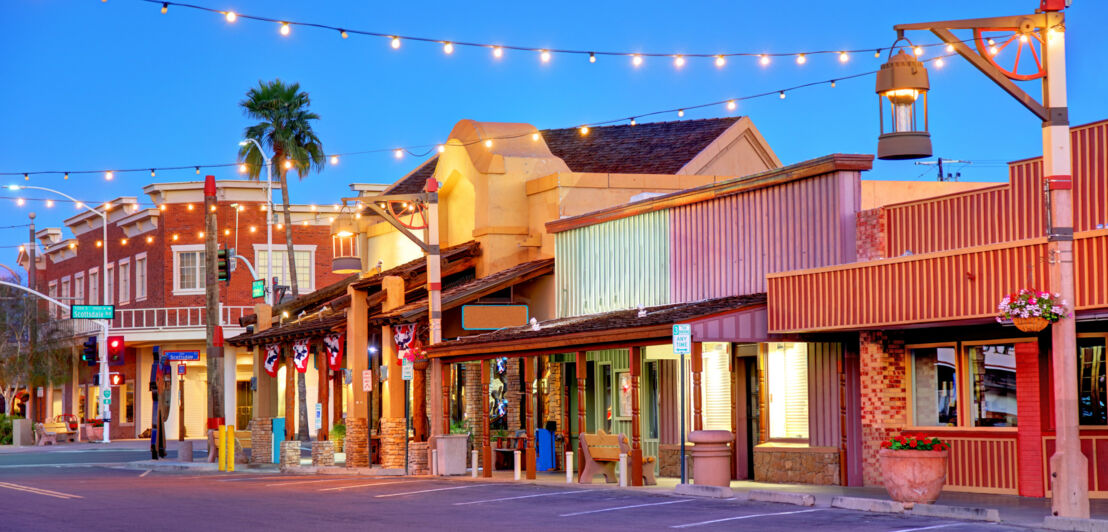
[903, 83]
[344, 243]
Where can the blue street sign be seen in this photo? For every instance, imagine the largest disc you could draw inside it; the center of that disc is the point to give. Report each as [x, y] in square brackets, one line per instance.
[682, 339]
[182, 355]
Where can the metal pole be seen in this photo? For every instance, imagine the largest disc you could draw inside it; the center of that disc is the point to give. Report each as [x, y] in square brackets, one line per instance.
[684, 478]
[1068, 465]
[268, 225]
[33, 311]
[407, 426]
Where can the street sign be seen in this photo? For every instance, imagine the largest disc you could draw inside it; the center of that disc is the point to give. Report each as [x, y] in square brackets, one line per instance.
[107, 394]
[92, 312]
[367, 380]
[181, 369]
[407, 371]
[682, 339]
[257, 289]
[182, 355]
[318, 415]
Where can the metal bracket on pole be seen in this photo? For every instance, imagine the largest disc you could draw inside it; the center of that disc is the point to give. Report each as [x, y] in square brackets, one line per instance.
[399, 227]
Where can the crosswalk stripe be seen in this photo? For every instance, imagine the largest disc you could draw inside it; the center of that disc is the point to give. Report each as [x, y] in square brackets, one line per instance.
[39, 491]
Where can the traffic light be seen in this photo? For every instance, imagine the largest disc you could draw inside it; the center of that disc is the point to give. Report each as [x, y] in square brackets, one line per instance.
[115, 379]
[88, 351]
[223, 260]
[115, 350]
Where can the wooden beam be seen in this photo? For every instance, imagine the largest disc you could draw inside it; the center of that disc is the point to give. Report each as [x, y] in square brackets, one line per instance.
[636, 436]
[650, 335]
[529, 399]
[486, 445]
[582, 378]
[697, 364]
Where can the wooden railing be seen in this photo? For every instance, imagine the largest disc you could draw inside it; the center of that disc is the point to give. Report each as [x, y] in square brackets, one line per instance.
[1095, 449]
[174, 317]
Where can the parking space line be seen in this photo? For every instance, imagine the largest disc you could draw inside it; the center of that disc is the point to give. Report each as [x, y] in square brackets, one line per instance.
[625, 507]
[144, 473]
[236, 479]
[308, 481]
[39, 491]
[428, 491]
[339, 488]
[736, 518]
[519, 497]
[927, 527]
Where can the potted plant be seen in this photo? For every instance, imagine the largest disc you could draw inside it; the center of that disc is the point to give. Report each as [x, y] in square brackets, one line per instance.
[338, 435]
[914, 469]
[1031, 310]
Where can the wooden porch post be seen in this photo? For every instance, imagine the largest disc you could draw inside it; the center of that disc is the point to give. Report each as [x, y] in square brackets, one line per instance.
[290, 392]
[337, 399]
[529, 399]
[324, 388]
[446, 398]
[581, 426]
[696, 361]
[565, 418]
[486, 445]
[636, 437]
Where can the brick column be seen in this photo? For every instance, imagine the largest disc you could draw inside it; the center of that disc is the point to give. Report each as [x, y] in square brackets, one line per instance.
[1029, 439]
[261, 440]
[357, 342]
[884, 397]
[357, 442]
[323, 453]
[290, 455]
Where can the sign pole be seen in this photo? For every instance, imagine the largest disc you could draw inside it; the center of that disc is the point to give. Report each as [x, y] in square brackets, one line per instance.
[181, 404]
[682, 345]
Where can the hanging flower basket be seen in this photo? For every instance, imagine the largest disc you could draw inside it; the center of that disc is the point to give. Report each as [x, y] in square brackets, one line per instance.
[1031, 310]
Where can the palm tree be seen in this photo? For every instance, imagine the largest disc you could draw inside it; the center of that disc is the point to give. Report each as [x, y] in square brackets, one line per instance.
[285, 128]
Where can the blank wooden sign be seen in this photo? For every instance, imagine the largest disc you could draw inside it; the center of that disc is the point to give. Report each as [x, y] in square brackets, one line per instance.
[491, 317]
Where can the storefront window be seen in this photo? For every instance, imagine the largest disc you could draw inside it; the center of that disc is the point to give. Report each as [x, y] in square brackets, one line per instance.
[992, 384]
[606, 380]
[716, 389]
[934, 386]
[787, 383]
[1091, 381]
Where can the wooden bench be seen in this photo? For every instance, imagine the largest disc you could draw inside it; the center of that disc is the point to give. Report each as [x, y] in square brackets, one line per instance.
[42, 437]
[61, 431]
[601, 454]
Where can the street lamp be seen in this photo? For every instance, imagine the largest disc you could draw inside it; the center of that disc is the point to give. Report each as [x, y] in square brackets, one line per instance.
[902, 81]
[105, 399]
[344, 244]
[268, 215]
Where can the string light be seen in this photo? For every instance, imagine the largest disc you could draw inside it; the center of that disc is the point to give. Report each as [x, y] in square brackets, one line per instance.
[832, 84]
[66, 176]
[584, 130]
[633, 121]
[99, 243]
[801, 59]
[175, 237]
[592, 57]
[226, 232]
[109, 175]
[440, 148]
[22, 249]
[197, 170]
[678, 61]
[149, 240]
[312, 207]
[447, 47]
[162, 207]
[343, 34]
[950, 48]
[280, 226]
[939, 63]
[844, 57]
[79, 205]
[488, 143]
[394, 42]
[20, 202]
[993, 50]
[285, 29]
[165, 8]
[26, 177]
[918, 51]
[720, 61]
[288, 164]
[398, 153]
[991, 42]
[877, 53]
[242, 168]
[72, 245]
[49, 203]
[545, 56]
[782, 93]
[231, 16]
[680, 113]
[497, 52]
[123, 241]
[190, 206]
[636, 60]
[535, 137]
[731, 105]
[253, 229]
[764, 60]
[213, 208]
[152, 174]
[334, 159]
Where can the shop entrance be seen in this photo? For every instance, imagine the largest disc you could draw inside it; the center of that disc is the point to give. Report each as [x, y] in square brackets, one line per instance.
[745, 391]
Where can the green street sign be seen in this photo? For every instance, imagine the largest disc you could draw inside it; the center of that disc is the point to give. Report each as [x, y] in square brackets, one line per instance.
[92, 312]
[259, 288]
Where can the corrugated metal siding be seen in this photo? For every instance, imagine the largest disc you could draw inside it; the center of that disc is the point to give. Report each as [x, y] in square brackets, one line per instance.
[1008, 212]
[613, 265]
[725, 246]
[824, 422]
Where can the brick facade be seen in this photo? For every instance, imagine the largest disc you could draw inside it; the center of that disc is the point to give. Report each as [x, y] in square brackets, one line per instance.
[871, 241]
[1029, 383]
[884, 386]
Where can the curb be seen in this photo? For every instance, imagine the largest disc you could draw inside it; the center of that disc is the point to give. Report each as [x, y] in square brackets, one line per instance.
[700, 490]
[159, 465]
[782, 497]
[359, 471]
[957, 512]
[867, 505]
[1071, 523]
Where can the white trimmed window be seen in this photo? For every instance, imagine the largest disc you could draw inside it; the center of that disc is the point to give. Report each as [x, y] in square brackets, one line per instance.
[65, 291]
[787, 387]
[109, 292]
[305, 265]
[94, 286]
[52, 290]
[124, 280]
[188, 269]
[140, 277]
[79, 288]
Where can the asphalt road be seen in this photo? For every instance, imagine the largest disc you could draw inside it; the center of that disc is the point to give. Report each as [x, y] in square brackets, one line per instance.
[106, 498]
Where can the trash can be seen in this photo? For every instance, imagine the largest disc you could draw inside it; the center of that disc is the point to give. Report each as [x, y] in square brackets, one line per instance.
[711, 455]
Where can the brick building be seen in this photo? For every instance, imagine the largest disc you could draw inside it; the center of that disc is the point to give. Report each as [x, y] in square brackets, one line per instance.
[156, 282]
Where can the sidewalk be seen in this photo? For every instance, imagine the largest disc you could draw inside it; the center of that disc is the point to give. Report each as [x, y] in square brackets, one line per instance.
[115, 445]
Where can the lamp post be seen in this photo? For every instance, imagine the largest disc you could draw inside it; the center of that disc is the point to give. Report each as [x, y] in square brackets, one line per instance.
[105, 399]
[1045, 28]
[268, 216]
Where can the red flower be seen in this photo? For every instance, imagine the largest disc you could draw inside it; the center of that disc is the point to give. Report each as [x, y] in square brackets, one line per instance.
[903, 440]
[912, 444]
[886, 444]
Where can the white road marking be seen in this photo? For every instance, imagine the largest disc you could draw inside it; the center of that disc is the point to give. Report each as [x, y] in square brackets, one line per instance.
[39, 491]
[428, 491]
[625, 507]
[236, 479]
[308, 481]
[144, 473]
[339, 488]
[687, 525]
[927, 527]
[519, 497]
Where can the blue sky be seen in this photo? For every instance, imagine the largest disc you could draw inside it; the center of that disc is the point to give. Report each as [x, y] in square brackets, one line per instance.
[99, 85]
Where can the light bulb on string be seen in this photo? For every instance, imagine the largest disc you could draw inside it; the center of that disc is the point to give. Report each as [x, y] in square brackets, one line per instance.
[20, 201]
[79, 205]
[731, 105]
[26, 177]
[991, 42]
[720, 61]
[165, 7]
[123, 241]
[633, 121]
[678, 61]
[334, 159]
[680, 113]
[636, 59]
[242, 168]
[398, 153]
[197, 170]
[918, 51]
[877, 53]
[49, 203]
[488, 143]
[545, 56]
[993, 50]
[782, 93]
[162, 207]
[285, 29]
[950, 48]
[342, 33]
[440, 148]
[231, 16]
[152, 174]
[801, 59]
[844, 57]
[226, 232]
[448, 47]
[592, 57]
[66, 176]
[497, 52]
[939, 63]
[189, 206]
[535, 137]
[832, 84]
[394, 42]
[288, 164]
[764, 60]
[149, 239]
[109, 175]
[584, 130]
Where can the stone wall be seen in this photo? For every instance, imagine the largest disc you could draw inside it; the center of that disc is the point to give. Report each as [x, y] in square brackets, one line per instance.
[261, 440]
[418, 458]
[357, 442]
[323, 453]
[669, 460]
[393, 435]
[513, 395]
[884, 384]
[553, 407]
[797, 465]
[290, 454]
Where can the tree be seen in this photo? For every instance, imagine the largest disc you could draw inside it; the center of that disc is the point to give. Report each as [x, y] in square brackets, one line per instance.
[285, 128]
[22, 367]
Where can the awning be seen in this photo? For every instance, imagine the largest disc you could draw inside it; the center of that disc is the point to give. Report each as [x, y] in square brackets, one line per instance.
[309, 328]
[475, 289]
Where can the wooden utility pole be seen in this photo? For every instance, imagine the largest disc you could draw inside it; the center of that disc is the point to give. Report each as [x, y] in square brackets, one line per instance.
[214, 353]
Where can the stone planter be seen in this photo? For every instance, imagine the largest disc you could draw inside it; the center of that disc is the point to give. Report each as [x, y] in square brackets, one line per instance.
[452, 453]
[323, 453]
[711, 457]
[93, 433]
[913, 476]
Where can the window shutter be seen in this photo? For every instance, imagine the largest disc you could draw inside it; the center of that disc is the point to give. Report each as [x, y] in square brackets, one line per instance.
[716, 389]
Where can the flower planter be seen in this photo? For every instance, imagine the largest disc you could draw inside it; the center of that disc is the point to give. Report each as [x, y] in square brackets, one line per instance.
[1030, 325]
[452, 453]
[93, 433]
[913, 476]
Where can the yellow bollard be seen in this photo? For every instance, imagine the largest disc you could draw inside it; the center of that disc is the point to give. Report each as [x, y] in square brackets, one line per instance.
[229, 452]
[221, 439]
